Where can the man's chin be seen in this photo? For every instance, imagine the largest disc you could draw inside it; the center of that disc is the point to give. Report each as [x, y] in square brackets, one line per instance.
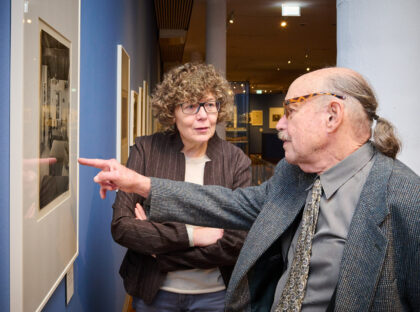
[289, 159]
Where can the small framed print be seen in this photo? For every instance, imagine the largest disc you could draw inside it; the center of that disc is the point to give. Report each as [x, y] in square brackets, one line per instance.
[134, 116]
[275, 114]
[123, 105]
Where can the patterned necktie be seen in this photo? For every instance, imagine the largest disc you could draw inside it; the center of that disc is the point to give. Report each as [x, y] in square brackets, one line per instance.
[294, 290]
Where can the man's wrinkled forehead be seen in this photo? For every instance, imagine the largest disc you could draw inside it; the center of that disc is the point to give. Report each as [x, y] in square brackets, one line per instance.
[305, 84]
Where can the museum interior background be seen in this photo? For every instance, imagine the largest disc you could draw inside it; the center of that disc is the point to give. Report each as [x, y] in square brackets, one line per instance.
[378, 38]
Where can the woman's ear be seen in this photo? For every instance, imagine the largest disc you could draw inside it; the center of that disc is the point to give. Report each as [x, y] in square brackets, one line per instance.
[335, 113]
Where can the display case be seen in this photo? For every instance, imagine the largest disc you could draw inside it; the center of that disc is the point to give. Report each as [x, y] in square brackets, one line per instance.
[237, 126]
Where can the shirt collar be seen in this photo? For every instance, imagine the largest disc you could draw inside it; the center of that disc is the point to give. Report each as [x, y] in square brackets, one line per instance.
[335, 177]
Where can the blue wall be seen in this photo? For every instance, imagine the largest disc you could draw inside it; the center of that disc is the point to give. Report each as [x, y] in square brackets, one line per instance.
[4, 154]
[104, 24]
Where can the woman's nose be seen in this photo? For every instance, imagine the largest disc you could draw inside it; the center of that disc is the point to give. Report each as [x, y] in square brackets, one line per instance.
[201, 113]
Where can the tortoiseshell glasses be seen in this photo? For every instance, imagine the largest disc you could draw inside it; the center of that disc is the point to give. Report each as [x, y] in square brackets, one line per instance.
[300, 99]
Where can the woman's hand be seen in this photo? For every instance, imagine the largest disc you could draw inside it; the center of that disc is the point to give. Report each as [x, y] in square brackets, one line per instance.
[139, 211]
[115, 176]
[205, 236]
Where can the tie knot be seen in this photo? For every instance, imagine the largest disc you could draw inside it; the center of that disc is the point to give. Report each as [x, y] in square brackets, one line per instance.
[317, 186]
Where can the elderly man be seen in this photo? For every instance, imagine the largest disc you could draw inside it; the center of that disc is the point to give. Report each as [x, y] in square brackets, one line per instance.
[337, 226]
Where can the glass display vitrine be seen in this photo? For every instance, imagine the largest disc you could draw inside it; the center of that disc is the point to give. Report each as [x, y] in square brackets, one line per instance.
[237, 126]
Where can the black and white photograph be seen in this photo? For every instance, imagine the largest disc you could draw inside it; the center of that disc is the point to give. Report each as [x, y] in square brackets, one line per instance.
[54, 118]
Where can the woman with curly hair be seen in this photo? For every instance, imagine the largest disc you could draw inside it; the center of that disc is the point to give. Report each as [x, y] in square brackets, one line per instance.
[172, 266]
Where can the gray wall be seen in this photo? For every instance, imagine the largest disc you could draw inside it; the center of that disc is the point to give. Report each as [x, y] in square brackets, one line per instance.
[381, 40]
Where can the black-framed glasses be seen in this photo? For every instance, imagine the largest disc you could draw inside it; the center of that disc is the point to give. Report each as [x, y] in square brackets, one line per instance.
[210, 107]
[303, 98]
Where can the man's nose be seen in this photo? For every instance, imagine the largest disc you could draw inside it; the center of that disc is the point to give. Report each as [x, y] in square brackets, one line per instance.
[282, 123]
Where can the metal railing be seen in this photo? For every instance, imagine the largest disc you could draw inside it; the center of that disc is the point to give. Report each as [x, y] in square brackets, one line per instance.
[262, 170]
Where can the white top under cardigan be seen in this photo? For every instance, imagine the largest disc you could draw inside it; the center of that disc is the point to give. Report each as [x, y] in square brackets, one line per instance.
[194, 281]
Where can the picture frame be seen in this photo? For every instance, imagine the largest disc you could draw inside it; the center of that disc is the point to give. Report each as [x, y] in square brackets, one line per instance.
[140, 112]
[44, 207]
[123, 105]
[144, 108]
[275, 114]
[256, 118]
[134, 116]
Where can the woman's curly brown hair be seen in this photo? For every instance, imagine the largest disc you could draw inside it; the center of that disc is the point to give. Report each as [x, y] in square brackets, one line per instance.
[188, 83]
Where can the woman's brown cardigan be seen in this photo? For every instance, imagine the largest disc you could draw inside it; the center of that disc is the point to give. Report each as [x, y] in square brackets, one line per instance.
[160, 156]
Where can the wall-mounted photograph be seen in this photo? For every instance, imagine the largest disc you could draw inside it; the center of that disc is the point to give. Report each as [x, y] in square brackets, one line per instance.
[123, 104]
[134, 118]
[275, 114]
[54, 117]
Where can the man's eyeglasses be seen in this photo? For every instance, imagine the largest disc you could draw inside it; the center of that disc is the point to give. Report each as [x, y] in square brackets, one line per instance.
[211, 107]
[300, 99]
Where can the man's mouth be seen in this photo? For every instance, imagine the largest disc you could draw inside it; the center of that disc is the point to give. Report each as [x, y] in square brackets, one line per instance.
[284, 136]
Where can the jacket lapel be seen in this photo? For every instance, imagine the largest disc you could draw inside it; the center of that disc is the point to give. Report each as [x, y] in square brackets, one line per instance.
[366, 245]
[283, 205]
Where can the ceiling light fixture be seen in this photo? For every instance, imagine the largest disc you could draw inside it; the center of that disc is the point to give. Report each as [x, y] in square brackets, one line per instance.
[290, 10]
[231, 18]
[289, 61]
[283, 24]
[308, 69]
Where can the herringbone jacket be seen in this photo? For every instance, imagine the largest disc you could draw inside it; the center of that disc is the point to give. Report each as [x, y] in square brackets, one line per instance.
[380, 266]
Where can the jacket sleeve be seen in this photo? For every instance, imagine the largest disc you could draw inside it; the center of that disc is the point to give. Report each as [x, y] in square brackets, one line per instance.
[226, 250]
[224, 253]
[144, 237]
[210, 205]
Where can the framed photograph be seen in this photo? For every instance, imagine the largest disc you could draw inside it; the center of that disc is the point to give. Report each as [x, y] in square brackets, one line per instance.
[256, 118]
[123, 105]
[144, 108]
[134, 116]
[275, 114]
[140, 112]
[44, 144]
[54, 116]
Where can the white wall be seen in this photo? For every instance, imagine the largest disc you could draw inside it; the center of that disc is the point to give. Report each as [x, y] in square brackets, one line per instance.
[381, 40]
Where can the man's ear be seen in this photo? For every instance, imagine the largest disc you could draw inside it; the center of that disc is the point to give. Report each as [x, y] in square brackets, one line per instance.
[335, 114]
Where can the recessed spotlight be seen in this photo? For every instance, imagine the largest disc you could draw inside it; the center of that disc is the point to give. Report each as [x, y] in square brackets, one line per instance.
[243, 91]
[289, 61]
[278, 68]
[308, 69]
[231, 18]
[283, 24]
[306, 55]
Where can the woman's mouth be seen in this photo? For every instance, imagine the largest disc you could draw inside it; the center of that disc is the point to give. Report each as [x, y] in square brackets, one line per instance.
[202, 129]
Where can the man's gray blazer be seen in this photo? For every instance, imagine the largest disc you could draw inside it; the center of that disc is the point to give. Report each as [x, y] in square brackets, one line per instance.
[380, 266]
